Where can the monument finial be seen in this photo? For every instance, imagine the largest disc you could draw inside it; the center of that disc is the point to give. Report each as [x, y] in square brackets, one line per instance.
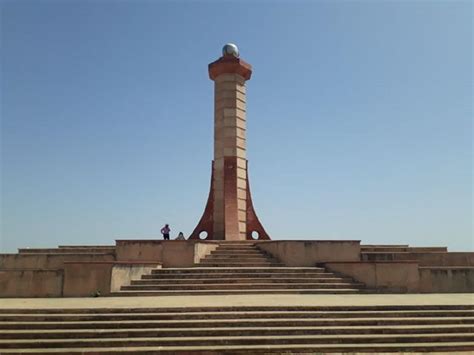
[230, 49]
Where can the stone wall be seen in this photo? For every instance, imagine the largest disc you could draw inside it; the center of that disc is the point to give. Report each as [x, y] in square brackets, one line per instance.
[381, 276]
[31, 283]
[170, 253]
[446, 279]
[310, 253]
[427, 258]
[123, 273]
[201, 250]
[48, 261]
[82, 279]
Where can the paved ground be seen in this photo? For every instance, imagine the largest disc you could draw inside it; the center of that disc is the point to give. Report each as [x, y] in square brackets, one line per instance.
[240, 300]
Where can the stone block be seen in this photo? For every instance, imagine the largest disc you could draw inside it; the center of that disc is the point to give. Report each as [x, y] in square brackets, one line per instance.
[241, 183]
[241, 193]
[240, 123]
[242, 163]
[229, 103]
[219, 213]
[242, 216]
[241, 143]
[219, 195]
[235, 78]
[229, 94]
[230, 85]
[219, 164]
[241, 153]
[241, 133]
[234, 112]
[241, 173]
[230, 142]
[234, 152]
[242, 204]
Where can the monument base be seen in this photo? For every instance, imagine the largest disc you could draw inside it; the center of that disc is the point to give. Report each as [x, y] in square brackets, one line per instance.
[82, 270]
[205, 228]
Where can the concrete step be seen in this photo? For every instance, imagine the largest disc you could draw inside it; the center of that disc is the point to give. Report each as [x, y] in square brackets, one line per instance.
[240, 340]
[236, 255]
[238, 323]
[348, 308]
[230, 275]
[237, 262]
[244, 250]
[248, 264]
[236, 242]
[238, 280]
[243, 331]
[193, 270]
[236, 258]
[314, 291]
[239, 286]
[354, 349]
[231, 315]
[236, 250]
[227, 265]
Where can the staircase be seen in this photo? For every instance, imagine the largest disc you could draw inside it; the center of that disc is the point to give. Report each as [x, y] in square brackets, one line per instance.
[239, 254]
[238, 330]
[240, 268]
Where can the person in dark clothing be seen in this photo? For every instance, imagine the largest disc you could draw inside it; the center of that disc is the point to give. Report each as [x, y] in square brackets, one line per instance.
[166, 232]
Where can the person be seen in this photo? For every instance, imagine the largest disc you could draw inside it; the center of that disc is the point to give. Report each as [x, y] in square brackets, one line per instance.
[180, 236]
[166, 232]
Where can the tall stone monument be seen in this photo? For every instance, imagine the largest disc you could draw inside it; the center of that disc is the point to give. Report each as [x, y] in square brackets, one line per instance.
[229, 213]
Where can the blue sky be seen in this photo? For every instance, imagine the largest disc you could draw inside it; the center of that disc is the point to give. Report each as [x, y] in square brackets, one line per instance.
[359, 118]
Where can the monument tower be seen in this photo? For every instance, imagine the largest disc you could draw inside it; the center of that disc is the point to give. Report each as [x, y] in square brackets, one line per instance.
[229, 213]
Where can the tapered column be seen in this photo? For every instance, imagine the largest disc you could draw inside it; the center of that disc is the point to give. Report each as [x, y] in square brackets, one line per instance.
[229, 208]
[230, 168]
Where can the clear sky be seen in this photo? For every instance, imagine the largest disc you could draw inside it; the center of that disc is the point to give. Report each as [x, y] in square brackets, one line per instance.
[359, 118]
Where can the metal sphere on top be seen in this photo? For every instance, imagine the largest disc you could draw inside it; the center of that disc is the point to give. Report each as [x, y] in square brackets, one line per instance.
[230, 49]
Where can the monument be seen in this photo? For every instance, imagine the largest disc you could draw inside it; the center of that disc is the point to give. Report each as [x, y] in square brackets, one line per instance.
[227, 264]
[229, 213]
[229, 248]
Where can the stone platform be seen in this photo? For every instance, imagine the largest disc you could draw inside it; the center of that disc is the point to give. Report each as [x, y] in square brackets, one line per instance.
[175, 267]
[262, 297]
[291, 300]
